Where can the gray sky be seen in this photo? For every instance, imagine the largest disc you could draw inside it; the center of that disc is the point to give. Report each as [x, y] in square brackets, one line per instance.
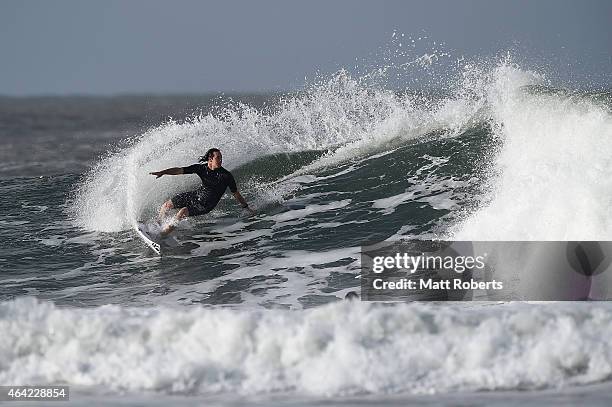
[127, 46]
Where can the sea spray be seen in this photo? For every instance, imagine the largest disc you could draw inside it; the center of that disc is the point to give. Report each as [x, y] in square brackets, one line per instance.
[552, 169]
[343, 114]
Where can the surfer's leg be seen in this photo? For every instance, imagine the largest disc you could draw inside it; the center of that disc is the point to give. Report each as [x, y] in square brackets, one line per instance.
[182, 200]
[182, 214]
[165, 208]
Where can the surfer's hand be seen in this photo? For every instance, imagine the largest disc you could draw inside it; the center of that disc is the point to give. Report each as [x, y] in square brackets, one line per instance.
[157, 173]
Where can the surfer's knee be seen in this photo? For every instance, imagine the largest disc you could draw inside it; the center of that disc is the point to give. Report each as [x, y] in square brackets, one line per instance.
[183, 213]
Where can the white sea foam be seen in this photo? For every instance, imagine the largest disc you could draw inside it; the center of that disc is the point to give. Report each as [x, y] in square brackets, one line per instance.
[553, 171]
[309, 210]
[338, 349]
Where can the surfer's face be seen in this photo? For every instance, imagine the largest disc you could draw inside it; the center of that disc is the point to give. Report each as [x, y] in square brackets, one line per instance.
[215, 161]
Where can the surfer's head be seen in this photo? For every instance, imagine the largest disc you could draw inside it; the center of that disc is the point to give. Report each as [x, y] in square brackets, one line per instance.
[213, 158]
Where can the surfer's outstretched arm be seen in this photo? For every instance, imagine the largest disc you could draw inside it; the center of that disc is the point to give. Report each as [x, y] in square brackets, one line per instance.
[243, 202]
[168, 171]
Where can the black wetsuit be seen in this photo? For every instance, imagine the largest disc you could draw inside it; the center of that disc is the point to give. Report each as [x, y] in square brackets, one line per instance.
[204, 199]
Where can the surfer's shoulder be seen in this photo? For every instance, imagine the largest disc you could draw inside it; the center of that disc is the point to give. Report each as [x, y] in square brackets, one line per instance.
[224, 171]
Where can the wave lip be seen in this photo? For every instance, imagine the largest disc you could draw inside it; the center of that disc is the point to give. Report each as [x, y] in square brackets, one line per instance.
[551, 177]
[339, 349]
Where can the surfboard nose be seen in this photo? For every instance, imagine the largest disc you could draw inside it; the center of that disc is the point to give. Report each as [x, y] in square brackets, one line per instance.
[143, 231]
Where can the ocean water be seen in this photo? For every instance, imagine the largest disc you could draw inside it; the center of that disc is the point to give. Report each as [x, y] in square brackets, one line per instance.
[251, 309]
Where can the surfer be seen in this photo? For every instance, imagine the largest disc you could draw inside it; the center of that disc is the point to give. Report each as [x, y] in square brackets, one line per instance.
[215, 180]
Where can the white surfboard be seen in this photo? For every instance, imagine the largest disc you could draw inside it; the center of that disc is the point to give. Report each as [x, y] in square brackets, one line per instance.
[142, 229]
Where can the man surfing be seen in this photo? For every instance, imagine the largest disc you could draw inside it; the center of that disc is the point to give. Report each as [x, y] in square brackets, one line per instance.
[215, 180]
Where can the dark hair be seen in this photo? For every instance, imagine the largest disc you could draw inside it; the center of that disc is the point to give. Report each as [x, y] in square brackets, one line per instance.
[209, 154]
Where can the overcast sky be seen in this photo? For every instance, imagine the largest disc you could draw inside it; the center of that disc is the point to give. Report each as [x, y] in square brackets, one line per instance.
[136, 46]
